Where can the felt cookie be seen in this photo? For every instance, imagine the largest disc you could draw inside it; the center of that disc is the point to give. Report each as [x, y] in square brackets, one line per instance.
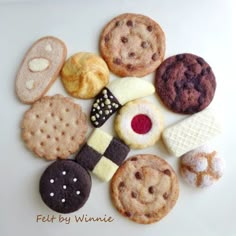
[54, 127]
[115, 95]
[185, 83]
[144, 188]
[139, 124]
[40, 68]
[65, 186]
[132, 45]
[191, 132]
[102, 154]
[201, 167]
[84, 75]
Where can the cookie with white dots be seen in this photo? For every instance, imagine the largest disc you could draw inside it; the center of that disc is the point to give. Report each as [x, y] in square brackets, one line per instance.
[132, 45]
[202, 167]
[54, 127]
[65, 186]
[144, 188]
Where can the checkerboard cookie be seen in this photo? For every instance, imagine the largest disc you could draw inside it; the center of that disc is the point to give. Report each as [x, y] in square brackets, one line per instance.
[144, 188]
[102, 154]
[132, 45]
[65, 186]
[54, 127]
[115, 95]
[139, 124]
[40, 68]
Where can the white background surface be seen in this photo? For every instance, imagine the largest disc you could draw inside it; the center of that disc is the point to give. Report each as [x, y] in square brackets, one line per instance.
[202, 27]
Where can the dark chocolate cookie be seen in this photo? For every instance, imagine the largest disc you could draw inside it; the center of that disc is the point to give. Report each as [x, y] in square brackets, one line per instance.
[185, 83]
[65, 186]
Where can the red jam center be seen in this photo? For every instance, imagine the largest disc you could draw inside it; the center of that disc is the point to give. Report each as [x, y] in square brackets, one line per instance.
[141, 124]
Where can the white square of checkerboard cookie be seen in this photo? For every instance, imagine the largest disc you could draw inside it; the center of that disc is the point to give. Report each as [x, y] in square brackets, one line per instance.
[105, 169]
[99, 140]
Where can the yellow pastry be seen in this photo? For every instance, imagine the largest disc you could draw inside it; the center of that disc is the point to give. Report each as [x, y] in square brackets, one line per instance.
[84, 75]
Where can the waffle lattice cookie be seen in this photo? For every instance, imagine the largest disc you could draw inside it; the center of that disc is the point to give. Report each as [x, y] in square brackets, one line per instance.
[54, 127]
[191, 133]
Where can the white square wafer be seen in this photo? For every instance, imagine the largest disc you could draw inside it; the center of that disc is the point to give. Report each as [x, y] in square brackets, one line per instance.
[191, 133]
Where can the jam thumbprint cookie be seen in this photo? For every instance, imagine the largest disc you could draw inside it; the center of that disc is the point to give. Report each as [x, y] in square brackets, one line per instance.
[139, 124]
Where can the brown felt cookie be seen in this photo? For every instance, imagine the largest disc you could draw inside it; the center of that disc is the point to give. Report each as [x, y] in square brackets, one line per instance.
[54, 127]
[132, 45]
[144, 188]
[185, 83]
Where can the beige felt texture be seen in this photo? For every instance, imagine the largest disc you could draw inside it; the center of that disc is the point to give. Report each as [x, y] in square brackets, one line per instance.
[54, 127]
[32, 85]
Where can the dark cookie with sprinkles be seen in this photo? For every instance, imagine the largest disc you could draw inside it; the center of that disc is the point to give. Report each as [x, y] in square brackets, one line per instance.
[65, 186]
[104, 106]
[185, 83]
[132, 45]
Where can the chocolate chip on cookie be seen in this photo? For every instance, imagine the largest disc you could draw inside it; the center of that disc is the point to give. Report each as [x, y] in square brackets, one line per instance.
[144, 188]
[132, 45]
[65, 186]
[185, 83]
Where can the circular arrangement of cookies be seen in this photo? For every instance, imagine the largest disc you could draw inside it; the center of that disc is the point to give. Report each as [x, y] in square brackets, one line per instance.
[144, 187]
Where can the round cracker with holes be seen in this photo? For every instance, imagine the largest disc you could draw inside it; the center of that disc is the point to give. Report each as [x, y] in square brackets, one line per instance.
[144, 189]
[132, 45]
[54, 127]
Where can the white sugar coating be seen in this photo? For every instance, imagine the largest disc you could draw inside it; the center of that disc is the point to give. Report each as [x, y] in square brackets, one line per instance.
[64, 172]
[197, 163]
[217, 165]
[51, 194]
[205, 164]
[75, 179]
[190, 177]
[78, 192]
[51, 181]
[207, 181]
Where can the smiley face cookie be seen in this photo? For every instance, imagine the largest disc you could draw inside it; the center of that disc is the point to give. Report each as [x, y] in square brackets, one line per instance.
[139, 124]
[144, 188]
[65, 186]
[132, 45]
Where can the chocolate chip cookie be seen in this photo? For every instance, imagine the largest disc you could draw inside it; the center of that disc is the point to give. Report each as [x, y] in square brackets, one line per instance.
[185, 83]
[144, 188]
[132, 45]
